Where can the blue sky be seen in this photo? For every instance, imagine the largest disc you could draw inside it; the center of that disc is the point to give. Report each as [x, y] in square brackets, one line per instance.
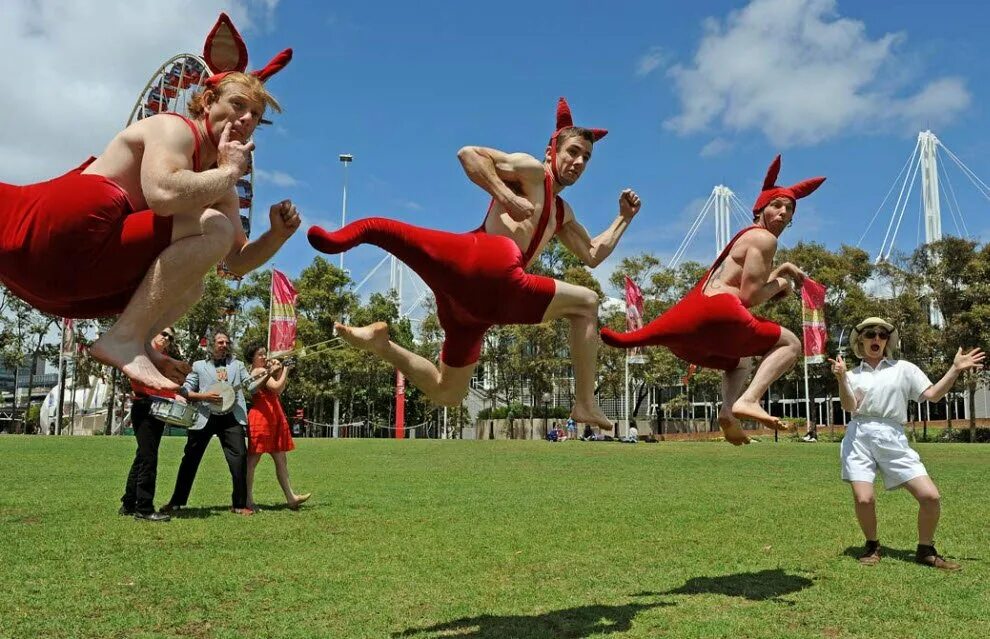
[694, 94]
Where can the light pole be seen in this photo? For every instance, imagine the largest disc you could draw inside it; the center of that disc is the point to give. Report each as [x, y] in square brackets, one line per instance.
[345, 159]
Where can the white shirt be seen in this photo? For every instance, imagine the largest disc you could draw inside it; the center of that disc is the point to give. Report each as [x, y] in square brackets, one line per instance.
[883, 392]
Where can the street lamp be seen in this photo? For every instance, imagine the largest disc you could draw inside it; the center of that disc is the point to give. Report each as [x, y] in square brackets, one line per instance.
[345, 159]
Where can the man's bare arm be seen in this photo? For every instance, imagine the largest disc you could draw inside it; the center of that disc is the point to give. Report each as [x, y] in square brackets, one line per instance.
[246, 256]
[593, 252]
[169, 184]
[756, 284]
[491, 169]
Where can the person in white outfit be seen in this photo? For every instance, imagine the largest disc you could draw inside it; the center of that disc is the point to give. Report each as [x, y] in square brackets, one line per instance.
[876, 393]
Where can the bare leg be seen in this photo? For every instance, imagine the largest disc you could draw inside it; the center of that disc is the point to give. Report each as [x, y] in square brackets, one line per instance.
[171, 368]
[580, 306]
[177, 269]
[282, 474]
[866, 508]
[446, 386]
[732, 386]
[929, 507]
[252, 464]
[776, 362]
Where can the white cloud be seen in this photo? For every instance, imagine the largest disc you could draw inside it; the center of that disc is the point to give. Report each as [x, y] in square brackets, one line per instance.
[278, 178]
[78, 67]
[650, 61]
[799, 73]
[718, 146]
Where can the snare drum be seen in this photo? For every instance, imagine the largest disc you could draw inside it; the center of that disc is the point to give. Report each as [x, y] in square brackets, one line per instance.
[173, 412]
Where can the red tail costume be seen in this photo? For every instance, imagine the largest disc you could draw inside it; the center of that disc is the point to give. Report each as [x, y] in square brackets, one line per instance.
[715, 331]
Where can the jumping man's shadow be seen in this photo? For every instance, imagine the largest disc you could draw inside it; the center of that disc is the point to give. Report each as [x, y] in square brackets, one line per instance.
[584, 621]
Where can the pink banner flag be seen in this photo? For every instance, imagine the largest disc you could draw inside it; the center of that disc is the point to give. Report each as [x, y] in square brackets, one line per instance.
[282, 319]
[634, 318]
[813, 320]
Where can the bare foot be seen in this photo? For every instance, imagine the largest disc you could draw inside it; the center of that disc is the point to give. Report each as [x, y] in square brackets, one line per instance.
[372, 338]
[169, 367]
[732, 429]
[753, 411]
[299, 501]
[131, 358]
[592, 415]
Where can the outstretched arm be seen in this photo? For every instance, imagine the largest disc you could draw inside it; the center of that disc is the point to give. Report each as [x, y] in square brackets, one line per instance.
[169, 184]
[961, 362]
[593, 252]
[492, 170]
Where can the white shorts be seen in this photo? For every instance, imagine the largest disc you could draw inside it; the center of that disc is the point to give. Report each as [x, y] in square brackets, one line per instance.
[868, 445]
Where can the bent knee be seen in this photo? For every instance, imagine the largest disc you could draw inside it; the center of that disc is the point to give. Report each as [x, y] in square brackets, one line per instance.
[218, 229]
[930, 498]
[585, 302]
[865, 500]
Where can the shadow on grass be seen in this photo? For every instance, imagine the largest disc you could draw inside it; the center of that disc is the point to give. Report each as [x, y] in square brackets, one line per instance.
[898, 554]
[201, 512]
[570, 623]
[584, 621]
[755, 586]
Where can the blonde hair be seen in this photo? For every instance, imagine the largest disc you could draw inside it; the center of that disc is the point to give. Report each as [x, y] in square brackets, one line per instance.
[255, 88]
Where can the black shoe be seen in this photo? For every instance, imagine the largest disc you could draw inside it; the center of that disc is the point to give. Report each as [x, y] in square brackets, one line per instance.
[928, 556]
[152, 516]
[124, 510]
[871, 554]
[168, 509]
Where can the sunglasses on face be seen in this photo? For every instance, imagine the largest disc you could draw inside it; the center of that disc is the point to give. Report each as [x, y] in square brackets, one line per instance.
[168, 336]
[872, 334]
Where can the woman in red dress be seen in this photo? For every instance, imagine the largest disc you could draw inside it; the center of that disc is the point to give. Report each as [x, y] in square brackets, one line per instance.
[268, 428]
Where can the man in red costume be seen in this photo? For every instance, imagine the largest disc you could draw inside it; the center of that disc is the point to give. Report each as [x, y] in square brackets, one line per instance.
[135, 230]
[480, 279]
[713, 327]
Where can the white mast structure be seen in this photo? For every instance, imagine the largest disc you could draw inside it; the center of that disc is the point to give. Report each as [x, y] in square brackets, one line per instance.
[724, 207]
[924, 160]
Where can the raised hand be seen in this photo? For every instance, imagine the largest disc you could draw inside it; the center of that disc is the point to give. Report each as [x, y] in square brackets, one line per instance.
[518, 207]
[965, 361]
[629, 203]
[284, 218]
[839, 366]
[233, 155]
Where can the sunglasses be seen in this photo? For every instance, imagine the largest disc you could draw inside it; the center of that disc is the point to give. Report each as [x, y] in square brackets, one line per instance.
[168, 336]
[872, 334]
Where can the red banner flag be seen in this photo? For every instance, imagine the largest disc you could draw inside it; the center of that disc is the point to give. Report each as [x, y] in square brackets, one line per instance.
[400, 405]
[634, 318]
[68, 337]
[282, 318]
[813, 321]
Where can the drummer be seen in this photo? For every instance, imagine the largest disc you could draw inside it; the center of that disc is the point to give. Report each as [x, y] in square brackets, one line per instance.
[214, 387]
[139, 493]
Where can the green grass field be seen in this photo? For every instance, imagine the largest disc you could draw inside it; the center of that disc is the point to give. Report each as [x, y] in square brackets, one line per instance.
[488, 540]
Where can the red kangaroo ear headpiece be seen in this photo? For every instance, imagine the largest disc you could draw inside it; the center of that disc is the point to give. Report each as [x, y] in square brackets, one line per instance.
[771, 191]
[566, 120]
[225, 51]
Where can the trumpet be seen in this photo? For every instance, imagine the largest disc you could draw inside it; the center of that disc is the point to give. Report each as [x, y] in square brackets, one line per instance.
[287, 359]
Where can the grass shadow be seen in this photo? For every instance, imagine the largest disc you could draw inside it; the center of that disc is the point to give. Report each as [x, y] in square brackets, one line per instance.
[568, 623]
[200, 512]
[755, 586]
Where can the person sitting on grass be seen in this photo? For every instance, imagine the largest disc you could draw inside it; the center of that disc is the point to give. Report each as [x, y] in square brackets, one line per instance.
[876, 393]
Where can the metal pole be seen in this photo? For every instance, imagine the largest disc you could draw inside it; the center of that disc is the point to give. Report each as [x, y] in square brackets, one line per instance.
[807, 396]
[346, 159]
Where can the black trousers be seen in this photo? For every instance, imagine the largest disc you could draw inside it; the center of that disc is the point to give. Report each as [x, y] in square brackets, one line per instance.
[139, 493]
[231, 436]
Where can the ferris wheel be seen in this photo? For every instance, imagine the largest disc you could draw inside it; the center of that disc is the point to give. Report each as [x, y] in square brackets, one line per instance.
[169, 90]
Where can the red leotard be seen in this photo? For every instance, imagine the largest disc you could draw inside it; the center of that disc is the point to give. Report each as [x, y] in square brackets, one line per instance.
[74, 246]
[479, 280]
[713, 331]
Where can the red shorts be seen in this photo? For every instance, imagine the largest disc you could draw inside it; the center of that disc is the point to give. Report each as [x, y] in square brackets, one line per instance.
[74, 247]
